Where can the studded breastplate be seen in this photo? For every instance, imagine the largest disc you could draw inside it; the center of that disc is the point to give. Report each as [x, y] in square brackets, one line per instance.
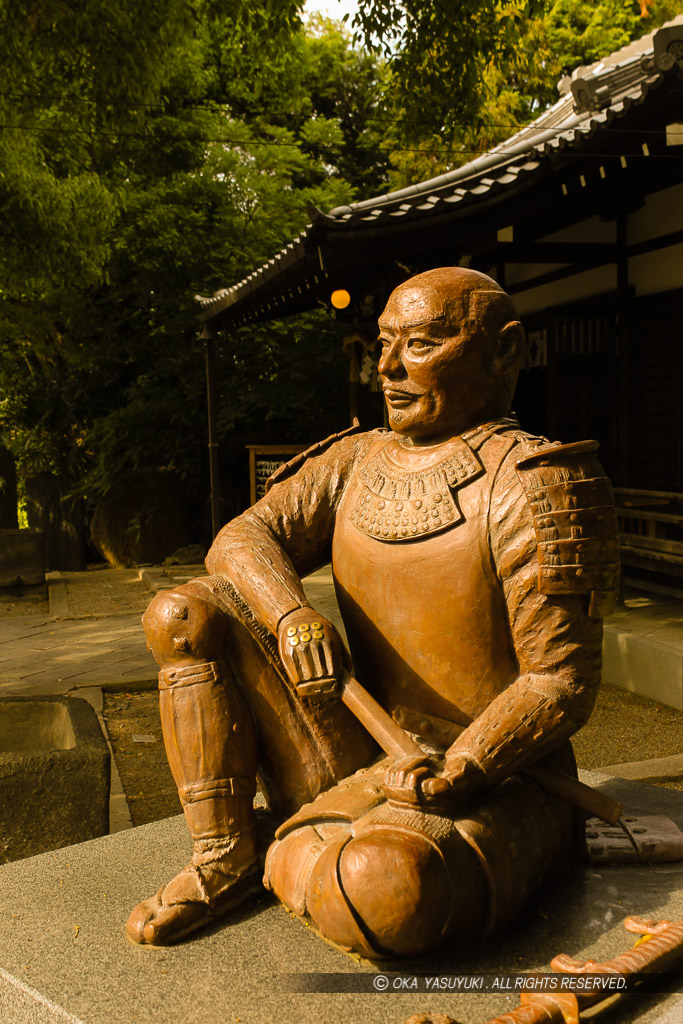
[399, 503]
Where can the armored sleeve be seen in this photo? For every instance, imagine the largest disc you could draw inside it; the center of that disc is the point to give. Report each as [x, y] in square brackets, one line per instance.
[552, 534]
[287, 534]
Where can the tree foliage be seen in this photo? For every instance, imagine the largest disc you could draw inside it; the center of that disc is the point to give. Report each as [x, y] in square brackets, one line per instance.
[143, 160]
[448, 107]
[438, 52]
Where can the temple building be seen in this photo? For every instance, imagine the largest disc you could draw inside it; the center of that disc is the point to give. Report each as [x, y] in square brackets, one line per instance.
[579, 216]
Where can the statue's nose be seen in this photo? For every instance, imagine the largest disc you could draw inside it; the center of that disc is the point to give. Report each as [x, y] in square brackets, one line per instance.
[390, 363]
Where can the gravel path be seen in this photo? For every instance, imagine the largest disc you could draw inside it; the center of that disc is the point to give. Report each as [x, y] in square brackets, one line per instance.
[625, 727]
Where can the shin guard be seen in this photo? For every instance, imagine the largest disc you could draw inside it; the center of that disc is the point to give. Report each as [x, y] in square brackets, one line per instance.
[211, 749]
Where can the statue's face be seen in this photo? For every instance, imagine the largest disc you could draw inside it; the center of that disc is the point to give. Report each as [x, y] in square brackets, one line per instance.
[435, 373]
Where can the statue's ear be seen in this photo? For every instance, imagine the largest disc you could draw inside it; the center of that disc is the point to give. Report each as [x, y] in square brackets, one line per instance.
[509, 349]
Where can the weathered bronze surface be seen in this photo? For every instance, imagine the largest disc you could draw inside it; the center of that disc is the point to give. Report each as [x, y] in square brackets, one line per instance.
[472, 565]
[552, 999]
[659, 950]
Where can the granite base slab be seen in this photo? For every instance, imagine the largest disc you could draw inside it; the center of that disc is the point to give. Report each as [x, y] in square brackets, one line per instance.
[65, 958]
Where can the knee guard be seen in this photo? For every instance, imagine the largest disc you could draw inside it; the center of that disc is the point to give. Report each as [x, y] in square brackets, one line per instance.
[393, 884]
[182, 626]
[390, 883]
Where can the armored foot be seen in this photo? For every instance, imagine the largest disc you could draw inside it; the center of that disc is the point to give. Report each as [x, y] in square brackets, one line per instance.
[216, 881]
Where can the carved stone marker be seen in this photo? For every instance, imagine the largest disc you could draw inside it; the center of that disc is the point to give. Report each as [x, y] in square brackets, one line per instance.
[472, 564]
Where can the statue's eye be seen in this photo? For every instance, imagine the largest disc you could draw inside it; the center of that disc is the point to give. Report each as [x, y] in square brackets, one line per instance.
[419, 344]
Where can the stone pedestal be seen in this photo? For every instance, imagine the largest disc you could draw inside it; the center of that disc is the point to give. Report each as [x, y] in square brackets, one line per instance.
[65, 957]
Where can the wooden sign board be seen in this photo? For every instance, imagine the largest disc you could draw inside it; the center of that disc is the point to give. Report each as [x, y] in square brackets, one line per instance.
[264, 459]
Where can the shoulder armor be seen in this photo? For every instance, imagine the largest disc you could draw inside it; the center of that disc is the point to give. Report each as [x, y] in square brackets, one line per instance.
[288, 468]
[574, 519]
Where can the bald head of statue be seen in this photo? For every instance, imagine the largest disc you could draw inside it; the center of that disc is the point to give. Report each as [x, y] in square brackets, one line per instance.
[451, 350]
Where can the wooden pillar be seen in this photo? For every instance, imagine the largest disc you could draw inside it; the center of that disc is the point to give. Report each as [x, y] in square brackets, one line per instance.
[8, 491]
[209, 337]
[623, 340]
[355, 355]
[354, 391]
[553, 382]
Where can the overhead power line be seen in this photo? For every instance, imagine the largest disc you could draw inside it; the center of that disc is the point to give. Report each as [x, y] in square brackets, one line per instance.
[217, 108]
[247, 143]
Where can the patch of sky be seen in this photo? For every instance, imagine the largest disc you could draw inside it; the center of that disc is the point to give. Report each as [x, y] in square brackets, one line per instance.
[335, 9]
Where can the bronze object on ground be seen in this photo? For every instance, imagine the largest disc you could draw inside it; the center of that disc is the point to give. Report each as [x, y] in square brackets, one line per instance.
[662, 948]
[472, 563]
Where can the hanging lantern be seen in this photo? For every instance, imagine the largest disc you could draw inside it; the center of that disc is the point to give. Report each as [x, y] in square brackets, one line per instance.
[340, 298]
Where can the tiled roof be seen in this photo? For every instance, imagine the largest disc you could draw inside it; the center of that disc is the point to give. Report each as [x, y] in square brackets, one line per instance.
[592, 99]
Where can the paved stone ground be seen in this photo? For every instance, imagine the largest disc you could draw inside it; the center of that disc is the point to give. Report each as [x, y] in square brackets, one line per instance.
[55, 656]
[659, 618]
[62, 653]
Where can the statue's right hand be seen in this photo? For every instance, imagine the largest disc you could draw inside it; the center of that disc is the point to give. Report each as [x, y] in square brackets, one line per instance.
[311, 652]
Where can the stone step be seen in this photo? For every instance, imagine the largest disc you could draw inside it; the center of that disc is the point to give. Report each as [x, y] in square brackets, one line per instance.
[642, 649]
[668, 768]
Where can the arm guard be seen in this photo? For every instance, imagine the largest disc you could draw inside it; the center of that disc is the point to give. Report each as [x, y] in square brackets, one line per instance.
[287, 534]
[553, 540]
[518, 728]
[574, 521]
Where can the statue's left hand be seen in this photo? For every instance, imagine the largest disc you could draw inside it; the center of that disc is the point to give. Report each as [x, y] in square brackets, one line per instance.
[311, 651]
[415, 782]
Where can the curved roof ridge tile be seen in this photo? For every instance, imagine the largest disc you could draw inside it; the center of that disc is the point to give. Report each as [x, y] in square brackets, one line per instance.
[473, 168]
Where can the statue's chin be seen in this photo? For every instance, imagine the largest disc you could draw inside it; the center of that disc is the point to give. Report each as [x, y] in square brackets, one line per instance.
[402, 422]
[416, 437]
[418, 429]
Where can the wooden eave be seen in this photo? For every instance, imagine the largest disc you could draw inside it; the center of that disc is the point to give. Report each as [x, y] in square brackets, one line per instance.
[602, 165]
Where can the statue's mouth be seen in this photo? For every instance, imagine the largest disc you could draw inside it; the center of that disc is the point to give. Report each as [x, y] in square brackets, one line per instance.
[399, 397]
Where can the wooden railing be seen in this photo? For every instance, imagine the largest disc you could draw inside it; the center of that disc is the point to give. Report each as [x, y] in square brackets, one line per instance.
[651, 529]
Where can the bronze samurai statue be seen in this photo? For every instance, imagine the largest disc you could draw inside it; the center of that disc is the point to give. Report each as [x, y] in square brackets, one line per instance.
[472, 564]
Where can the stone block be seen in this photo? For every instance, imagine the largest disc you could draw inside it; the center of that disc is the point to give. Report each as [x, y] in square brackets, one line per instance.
[643, 665]
[54, 775]
[22, 557]
[142, 519]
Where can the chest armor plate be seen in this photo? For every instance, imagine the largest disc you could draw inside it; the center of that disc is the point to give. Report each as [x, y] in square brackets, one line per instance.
[424, 611]
[398, 504]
